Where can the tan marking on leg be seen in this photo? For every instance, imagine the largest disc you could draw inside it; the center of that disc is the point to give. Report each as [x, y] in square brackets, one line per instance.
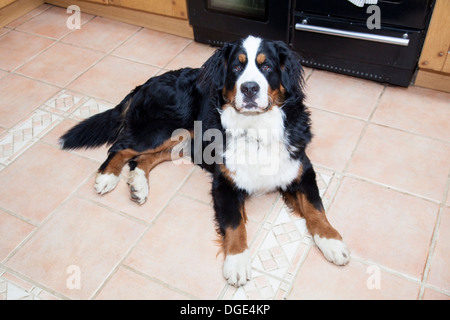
[316, 220]
[116, 164]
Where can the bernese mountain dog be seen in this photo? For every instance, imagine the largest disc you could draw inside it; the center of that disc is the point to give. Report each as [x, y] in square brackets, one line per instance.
[241, 116]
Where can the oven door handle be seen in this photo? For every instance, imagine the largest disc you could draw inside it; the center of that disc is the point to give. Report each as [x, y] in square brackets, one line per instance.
[355, 35]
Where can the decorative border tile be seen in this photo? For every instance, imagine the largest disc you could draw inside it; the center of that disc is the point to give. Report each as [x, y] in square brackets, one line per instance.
[64, 102]
[23, 135]
[281, 246]
[89, 108]
[13, 288]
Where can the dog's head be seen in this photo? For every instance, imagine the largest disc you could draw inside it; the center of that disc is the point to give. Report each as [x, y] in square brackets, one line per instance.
[253, 75]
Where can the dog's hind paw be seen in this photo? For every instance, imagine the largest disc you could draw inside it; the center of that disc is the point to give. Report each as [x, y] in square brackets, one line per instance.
[138, 186]
[105, 182]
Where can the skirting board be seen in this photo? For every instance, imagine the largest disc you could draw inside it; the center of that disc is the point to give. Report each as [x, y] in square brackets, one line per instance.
[148, 20]
[433, 80]
[17, 9]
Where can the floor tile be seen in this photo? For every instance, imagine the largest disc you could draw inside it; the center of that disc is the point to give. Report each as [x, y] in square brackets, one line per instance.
[439, 274]
[152, 47]
[101, 34]
[113, 78]
[127, 285]
[77, 248]
[402, 160]
[60, 64]
[51, 23]
[23, 189]
[198, 186]
[12, 88]
[430, 294]
[334, 139]
[319, 279]
[3, 74]
[194, 56]
[4, 31]
[384, 226]
[164, 181]
[419, 110]
[258, 207]
[17, 48]
[342, 94]
[10, 240]
[180, 250]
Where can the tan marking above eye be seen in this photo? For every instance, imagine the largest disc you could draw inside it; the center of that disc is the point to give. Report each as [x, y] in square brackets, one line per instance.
[260, 58]
[242, 58]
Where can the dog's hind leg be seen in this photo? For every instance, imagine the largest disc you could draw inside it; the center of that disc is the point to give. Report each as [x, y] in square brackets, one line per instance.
[109, 172]
[141, 167]
[138, 179]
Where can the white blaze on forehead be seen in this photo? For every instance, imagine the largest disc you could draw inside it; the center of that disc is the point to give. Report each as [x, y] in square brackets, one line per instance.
[252, 73]
[251, 45]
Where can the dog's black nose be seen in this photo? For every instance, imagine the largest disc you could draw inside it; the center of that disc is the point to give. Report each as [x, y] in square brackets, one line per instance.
[249, 89]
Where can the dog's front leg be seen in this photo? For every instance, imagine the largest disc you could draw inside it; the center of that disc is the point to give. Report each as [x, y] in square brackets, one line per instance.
[231, 219]
[302, 196]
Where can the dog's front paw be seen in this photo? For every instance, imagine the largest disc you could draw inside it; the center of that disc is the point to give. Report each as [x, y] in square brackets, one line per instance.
[334, 250]
[138, 186]
[105, 182]
[237, 268]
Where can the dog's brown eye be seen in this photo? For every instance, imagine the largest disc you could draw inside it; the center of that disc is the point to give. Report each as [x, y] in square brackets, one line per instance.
[266, 68]
[237, 68]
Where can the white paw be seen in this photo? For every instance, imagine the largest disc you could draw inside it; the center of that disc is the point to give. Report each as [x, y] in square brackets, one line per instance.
[105, 182]
[237, 268]
[335, 251]
[138, 185]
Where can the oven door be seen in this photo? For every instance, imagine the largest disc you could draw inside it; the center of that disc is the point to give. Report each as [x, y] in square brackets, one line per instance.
[406, 13]
[219, 21]
[349, 47]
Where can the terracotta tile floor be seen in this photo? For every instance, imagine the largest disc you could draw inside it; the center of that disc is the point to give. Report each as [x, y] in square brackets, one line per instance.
[382, 155]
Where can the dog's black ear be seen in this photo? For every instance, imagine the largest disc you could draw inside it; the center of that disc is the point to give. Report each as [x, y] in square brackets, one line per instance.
[214, 70]
[291, 70]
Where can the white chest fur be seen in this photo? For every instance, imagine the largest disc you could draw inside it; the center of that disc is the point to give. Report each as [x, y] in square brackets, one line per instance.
[256, 152]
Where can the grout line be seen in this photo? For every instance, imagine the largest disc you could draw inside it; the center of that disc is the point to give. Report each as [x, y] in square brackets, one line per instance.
[343, 175]
[105, 55]
[33, 282]
[434, 238]
[363, 132]
[179, 53]
[371, 122]
[138, 240]
[301, 263]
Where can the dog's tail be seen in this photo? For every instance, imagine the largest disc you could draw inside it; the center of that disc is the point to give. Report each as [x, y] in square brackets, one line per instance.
[100, 129]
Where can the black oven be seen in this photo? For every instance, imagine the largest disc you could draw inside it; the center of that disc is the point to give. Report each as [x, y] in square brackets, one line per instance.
[328, 34]
[341, 37]
[219, 21]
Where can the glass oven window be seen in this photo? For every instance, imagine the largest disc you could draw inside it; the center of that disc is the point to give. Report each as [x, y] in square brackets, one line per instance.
[253, 9]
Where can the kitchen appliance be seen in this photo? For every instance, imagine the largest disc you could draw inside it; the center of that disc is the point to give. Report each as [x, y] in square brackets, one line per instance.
[219, 21]
[333, 35]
